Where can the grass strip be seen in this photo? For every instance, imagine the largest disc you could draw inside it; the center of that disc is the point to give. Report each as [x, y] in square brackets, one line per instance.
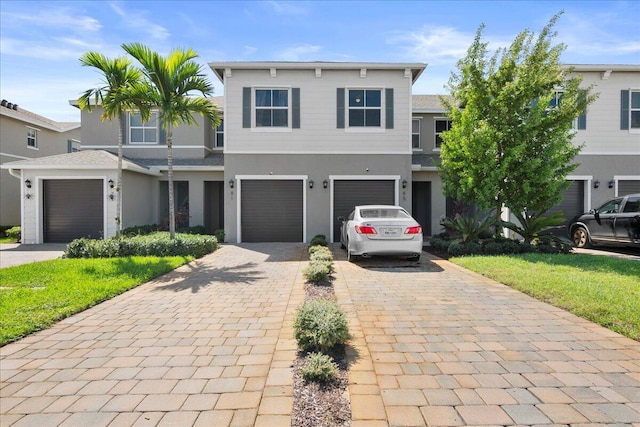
[34, 296]
[602, 289]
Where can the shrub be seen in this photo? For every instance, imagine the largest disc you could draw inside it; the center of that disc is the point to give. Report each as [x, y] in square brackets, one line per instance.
[320, 324]
[318, 271]
[319, 240]
[157, 244]
[440, 244]
[318, 367]
[321, 254]
[471, 228]
[14, 232]
[219, 233]
[143, 230]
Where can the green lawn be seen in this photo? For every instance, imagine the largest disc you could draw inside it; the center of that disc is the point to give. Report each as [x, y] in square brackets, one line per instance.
[602, 289]
[34, 296]
[8, 240]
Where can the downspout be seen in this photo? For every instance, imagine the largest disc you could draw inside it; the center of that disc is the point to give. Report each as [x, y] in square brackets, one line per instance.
[15, 174]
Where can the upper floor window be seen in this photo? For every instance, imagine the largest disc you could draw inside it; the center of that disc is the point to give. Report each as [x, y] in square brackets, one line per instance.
[272, 107]
[441, 125]
[635, 110]
[365, 107]
[415, 133]
[32, 138]
[143, 132]
[220, 135]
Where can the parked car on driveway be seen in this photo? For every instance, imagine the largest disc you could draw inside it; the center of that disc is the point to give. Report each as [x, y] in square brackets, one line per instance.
[380, 230]
[617, 222]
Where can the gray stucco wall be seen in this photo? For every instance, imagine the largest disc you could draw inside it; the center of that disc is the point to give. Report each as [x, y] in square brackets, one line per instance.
[139, 199]
[317, 168]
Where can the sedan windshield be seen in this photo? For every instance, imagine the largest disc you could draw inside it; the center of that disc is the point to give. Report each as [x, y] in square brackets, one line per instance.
[383, 213]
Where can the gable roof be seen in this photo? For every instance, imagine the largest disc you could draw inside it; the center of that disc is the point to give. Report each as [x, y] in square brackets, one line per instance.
[220, 68]
[38, 120]
[428, 103]
[89, 159]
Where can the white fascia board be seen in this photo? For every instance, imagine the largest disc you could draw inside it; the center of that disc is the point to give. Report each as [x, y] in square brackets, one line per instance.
[603, 67]
[404, 152]
[424, 168]
[14, 156]
[428, 111]
[80, 167]
[189, 168]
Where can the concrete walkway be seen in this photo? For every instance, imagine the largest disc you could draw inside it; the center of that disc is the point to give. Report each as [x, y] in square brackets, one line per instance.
[17, 254]
[211, 344]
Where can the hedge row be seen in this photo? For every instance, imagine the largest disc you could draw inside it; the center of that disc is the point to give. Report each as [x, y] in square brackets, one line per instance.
[498, 247]
[320, 261]
[156, 244]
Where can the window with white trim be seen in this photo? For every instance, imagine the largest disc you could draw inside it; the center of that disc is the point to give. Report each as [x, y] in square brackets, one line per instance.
[143, 132]
[365, 107]
[634, 110]
[415, 133]
[272, 108]
[32, 137]
[220, 135]
[440, 126]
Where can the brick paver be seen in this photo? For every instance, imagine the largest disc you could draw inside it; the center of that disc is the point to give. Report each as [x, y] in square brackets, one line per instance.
[199, 346]
[450, 347]
[211, 344]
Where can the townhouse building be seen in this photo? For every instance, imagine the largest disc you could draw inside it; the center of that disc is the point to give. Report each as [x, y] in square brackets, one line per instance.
[25, 135]
[301, 143]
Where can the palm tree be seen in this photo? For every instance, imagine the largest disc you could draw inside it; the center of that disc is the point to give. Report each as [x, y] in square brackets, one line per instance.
[171, 80]
[116, 95]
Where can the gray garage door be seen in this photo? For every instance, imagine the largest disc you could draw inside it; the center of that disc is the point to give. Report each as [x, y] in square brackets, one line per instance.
[72, 208]
[628, 187]
[272, 211]
[349, 194]
[572, 203]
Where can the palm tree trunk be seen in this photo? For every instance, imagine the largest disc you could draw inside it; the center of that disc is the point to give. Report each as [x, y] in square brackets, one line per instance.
[172, 213]
[119, 184]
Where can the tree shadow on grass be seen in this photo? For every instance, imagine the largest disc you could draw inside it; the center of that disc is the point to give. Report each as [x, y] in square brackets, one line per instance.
[195, 277]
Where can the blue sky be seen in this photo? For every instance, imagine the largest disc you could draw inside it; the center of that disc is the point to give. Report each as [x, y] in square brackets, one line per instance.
[42, 41]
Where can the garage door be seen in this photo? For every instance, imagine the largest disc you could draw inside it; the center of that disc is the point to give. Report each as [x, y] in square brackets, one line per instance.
[628, 187]
[349, 194]
[272, 211]
[72, 208]
[572, 203]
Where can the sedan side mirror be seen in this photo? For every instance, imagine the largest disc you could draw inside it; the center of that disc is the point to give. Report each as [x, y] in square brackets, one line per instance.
[592, 211]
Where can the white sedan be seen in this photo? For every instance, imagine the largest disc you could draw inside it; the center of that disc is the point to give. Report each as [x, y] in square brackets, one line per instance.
[380, 230]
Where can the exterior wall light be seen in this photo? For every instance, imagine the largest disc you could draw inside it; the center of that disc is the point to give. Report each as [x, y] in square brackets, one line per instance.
[27, 183]
[231, 183]
[611, 184]
[596, 184]
[111, 184]
[404, 183]
[310, 183]
[325, 183]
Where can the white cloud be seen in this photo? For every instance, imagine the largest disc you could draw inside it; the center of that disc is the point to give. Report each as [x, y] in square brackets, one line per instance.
[249, 50]
[137, 21]
[299, 52]
[435, 45]
[39, 50]
[53, 18]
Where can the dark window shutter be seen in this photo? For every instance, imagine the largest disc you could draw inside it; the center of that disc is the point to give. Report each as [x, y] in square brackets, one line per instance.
[624, 110]
[124, 117]
[246, 107]
[388, 108]
[295, 108]
[582, 121]
[340, 108]
[162, 135]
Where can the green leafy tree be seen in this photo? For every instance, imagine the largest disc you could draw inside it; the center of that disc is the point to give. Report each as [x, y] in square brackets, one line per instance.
[115, 95]
[510, 142]
[171, 81]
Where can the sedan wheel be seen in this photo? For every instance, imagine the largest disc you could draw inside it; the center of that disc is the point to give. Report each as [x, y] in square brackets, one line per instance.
[580, 237]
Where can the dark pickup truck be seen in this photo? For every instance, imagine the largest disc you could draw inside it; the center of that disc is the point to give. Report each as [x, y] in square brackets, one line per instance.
[617, 222]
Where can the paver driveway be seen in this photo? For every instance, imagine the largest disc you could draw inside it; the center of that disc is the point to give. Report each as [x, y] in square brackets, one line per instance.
[211, 344]
[204, 345]
[438, 345]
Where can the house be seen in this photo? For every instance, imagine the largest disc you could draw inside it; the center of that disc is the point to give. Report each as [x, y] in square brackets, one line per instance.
[25, 135]
[301, 143]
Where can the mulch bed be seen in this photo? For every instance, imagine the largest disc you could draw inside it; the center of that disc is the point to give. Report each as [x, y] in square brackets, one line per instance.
[321, 404]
